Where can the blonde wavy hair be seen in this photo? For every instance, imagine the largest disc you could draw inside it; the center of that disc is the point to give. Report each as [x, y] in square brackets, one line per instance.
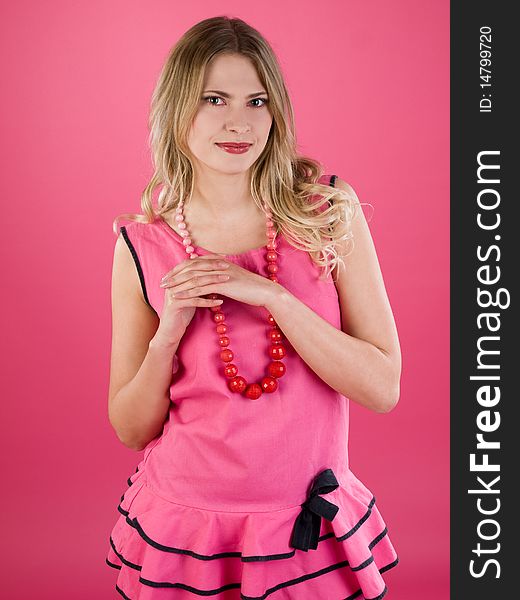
[313, 217]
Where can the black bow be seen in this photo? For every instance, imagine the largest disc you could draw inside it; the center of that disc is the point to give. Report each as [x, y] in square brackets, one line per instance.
[308, 523]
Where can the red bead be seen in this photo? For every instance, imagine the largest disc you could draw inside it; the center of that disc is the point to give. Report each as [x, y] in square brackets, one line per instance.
[226, 355]
[277, 352]
[271, 234]
[271, 320]
[223, 340]
[221, 328]
[237, 384]
[271, 256]
[230, 370]
[271, 245]
[272, 268]
[273, 278]
[253, 391]
[269, 384]
[218, 317]
[275, 335]
[215, 308]
[276, 368]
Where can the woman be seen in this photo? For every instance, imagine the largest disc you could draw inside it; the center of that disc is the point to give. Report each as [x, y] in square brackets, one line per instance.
[248, 310]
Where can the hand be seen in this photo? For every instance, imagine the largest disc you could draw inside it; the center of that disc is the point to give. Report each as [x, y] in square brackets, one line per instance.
[177, 313]
[211, 274]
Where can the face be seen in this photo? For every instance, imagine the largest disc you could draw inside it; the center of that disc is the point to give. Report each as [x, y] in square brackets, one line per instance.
[233, 108]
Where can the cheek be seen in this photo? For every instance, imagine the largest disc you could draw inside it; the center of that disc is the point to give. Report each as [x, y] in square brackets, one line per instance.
[264, 125]
[203, 125]
[201, 130]
[206, 121]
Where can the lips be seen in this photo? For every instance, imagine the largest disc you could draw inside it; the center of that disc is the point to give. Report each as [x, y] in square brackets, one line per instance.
[234, 147]
[239, 146]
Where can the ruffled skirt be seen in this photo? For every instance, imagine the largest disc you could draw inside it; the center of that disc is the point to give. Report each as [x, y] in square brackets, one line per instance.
[335, 546]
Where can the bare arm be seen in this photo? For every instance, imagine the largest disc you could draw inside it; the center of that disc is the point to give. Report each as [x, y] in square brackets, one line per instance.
[140, 367]
[362, 360]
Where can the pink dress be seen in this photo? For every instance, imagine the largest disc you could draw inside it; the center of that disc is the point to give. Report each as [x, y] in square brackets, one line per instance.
[243, 499]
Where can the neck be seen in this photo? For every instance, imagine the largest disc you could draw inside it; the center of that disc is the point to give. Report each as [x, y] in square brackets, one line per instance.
[217, 194]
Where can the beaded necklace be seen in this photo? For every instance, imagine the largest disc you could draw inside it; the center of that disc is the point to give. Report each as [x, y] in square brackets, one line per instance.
[276, 369]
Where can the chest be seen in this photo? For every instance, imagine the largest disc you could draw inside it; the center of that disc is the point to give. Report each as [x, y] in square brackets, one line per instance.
[234, 236]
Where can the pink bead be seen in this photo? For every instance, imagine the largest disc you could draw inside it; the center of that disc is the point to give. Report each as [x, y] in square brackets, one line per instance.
[272, 268]
[193, 256]
[270, 234]
[190, 249]
[272, 245]
[179, 218]
[186, 241]
[185, 233]
[182, 225]
[270, 223]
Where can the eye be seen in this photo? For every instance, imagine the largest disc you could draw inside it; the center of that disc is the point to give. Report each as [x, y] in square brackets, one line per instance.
[209, 98]
[206, 98]
[264, 100]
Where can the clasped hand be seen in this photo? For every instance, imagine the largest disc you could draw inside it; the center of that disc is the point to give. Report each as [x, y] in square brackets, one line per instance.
[212, 274]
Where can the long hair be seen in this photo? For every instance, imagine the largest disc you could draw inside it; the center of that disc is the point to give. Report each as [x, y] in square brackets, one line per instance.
[312, 216]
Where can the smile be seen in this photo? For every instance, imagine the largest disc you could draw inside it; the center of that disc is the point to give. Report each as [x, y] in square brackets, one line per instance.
[235, 148]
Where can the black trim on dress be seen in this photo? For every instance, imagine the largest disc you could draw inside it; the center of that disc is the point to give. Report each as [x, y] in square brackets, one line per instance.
[134, 523]
[332, 183]
[124, 233]
[281, 585]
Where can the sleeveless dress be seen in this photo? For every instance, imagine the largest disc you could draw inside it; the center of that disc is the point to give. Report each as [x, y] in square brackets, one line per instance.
[243, 499]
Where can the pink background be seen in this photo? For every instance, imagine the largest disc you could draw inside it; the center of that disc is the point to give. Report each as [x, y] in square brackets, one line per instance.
[370, 84]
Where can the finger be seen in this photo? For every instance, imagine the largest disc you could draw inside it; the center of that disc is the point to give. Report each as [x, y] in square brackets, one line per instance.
[197, 301]
[199, 262]
[198, 290]
[192, 278]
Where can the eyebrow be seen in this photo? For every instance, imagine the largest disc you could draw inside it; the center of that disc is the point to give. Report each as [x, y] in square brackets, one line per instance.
[224, 95]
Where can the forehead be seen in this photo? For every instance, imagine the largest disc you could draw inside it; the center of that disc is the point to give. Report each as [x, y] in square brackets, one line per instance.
[231, 72]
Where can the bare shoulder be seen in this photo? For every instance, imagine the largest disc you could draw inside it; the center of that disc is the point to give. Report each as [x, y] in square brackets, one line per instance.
[343, 185]
[361, 251]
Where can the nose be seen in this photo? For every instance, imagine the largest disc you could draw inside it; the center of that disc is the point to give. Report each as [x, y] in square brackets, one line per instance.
[237, 127]
[237, 122]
